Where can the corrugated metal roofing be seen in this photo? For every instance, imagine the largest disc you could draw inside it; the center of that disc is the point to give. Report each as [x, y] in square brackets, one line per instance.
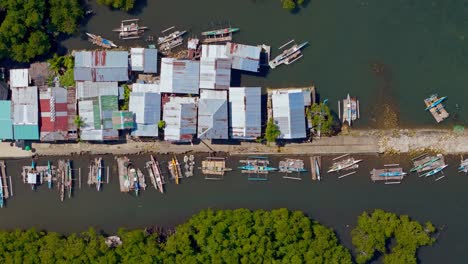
[213, 115]
[245, 109]
[179, 76]
[26, 132]
[89, 89]
[99, 135]
[214, 51]
[25, 105]
[180, 115]
[122, 120]
[4, 90]
[147, 109]
[146, 87]
[6, 123]
[244, 57]
[19, 78]
[215, 73]
[101, 66]
[145, 60]
[288, 113]
[109, 104]
[53, 108]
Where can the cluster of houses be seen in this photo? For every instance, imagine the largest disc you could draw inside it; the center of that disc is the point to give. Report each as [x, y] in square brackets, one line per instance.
[194, 98]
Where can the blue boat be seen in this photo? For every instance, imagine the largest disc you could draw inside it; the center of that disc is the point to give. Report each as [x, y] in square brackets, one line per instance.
[49, 175]
[99, 175]
[434, 171]
[257, 168]
[436, 103]
[1, 193]
[392, 174]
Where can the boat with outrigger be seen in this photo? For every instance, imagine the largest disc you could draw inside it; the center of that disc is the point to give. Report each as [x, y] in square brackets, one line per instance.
[129, 29]
[349, 163]
[434, 171]
[421, 167]
[256, 165]
[172, 36]
[49, 175]
[288, 56]
[1, 193]
[219, 35]
[463, 166]
[100, 41]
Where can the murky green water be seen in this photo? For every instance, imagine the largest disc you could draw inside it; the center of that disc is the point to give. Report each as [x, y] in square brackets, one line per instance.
[419, 47]
[334, 202]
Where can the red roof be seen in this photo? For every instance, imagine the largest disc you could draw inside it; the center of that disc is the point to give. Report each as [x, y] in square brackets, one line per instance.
[60, 123]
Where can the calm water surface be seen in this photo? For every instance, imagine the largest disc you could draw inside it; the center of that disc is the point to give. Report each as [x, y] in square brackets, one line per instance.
[333, 202]
[394, 52]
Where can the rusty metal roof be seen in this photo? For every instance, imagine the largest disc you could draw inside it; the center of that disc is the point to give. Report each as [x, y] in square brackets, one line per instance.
[213, 115]
[179, 76]
[244, 57]
[101, 66]
[180, 115]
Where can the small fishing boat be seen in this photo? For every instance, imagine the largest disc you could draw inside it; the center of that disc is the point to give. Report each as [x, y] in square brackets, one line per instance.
[157, 174]
[343, 165]
[32, 176]
[392, 174]
[288, 56]
[220, 31]
[102, 42]
[174, 35]
[99, 175]
[69, 179]
[317, 169]
[436, 102]
[463, 166]
[168, 46]
[252, 167]
[49, 175]
[350, 109]
[1, 193]
[136, 183]
[419, 167]
[129, 25]
[434, 171]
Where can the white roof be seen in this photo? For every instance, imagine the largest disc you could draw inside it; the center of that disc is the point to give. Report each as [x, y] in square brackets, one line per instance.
[214, 51]
[146, 87]
[137, 57]
[89, 89]
[19, 78]
[25, 105]
[288, 113]
[245, 110]
[179, 76]
[213, 115]
[180, 115]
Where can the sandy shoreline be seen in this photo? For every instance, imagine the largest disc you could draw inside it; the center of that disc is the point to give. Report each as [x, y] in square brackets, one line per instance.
[359, 141]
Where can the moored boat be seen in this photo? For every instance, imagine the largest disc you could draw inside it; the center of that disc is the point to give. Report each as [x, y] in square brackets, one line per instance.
[250, 167]
[288, 56]
[49, 175]
[434, 171]
[157, 174]
[220, 31]
[419, 167]
[1, 193]
[435, 102]
[392, 174]
[174, 35]
[99, 174]
[348, 163]
[100, 41]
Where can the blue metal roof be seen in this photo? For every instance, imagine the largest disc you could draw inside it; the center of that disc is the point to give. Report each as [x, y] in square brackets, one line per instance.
[26, 132]
[6, 124]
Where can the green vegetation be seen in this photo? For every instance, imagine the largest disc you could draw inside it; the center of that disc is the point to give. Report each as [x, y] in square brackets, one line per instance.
[272, 131]
[63, 66]
[125, 5]
[161, 124]
[321, 118]
[126, 100]
[375, 232]
[27, 26]
[291, 4]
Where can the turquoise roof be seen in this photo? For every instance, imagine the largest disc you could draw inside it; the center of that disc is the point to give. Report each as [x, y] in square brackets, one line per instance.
[27, 132]
[6, 124]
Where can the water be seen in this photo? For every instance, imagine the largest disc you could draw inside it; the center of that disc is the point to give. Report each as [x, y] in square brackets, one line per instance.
[419, 47]
[333, 202]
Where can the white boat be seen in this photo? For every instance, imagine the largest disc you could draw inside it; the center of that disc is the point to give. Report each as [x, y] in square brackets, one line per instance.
[174, 35]
[288, 56]
[343, 165]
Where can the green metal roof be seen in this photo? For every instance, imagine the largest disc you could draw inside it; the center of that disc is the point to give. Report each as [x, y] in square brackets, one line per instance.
[6, 124]
[27, 132]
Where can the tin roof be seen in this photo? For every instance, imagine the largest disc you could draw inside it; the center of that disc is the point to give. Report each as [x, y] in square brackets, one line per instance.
[96, 114]
[214, 51]
[122, 120]
[215, 73]
[146, 87]
[213, 115]
[99, 135]
[25, 105]
[6, 124]
[19, 78]
[89, 89]
[288, 113]
[245, 109]
[26, 132]
[180, 115]
[244, 57]
[101, 66]
[4, 90]
[179, 76]
[147, 110]
[145, 60]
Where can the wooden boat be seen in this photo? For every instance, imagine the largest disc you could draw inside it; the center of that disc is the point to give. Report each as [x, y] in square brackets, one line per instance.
[174, 35]
[32, 176]
[342, 165]
[350, 109]
[69, 179]
[434, 171]
[389, 173]
[428, 163]
[102, 42]
[134, 178]
[288, 56]
[131, 34]
[317, 169]
[223, 31]
[463, 166]
[168, 46]
[174, 169]
[1, 193]
[435, 101]
[129, 25]
[49, 175]
[291, 165]
[99, 174]
[157, 174]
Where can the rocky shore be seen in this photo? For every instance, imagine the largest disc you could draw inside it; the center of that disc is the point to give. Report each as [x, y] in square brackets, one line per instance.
[358, 141]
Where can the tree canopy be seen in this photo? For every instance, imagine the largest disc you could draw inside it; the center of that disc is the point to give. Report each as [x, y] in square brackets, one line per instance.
[374, 232]
[125, 5]
[321, 118]
[291, 4]
[272, 131]
[27, 26]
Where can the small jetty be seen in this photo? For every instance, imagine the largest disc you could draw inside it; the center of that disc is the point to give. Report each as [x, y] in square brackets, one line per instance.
[189, 162]
[219, 35]
[96, 173]
[289, 55]
[214, 168]
[174, 169]
[426, 165]
[435, 106]
[154, 172]
[389, 174]
[463, 166]
[129, 29]
[315, 165]
[257, 168]
[342, 163]
[289, 166]
[6, 189]
[35, 175]
[350, 110]
[101, 42]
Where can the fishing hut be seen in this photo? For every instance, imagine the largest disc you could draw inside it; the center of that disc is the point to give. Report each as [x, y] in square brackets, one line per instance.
[315, 165]
[6, 187]
[189, 162]
[290, 166]
[350, 110]
[98, 173]
[154, 172]
[174, 169]
[391, 174]
[257, 168]
[437, 109]
[428, 165]
[214, 168]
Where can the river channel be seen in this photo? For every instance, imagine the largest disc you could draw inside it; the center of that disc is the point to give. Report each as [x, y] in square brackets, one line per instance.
[333, 202]
[384, 52]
